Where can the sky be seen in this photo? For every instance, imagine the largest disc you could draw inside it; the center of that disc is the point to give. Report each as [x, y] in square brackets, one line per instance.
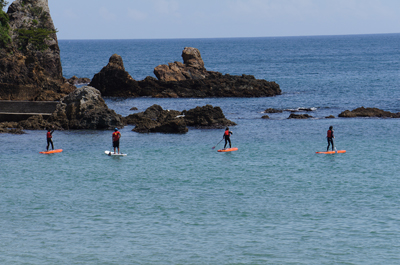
[166, 19]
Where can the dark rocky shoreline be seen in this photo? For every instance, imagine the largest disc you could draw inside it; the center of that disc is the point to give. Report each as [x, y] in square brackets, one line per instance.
[184, 80]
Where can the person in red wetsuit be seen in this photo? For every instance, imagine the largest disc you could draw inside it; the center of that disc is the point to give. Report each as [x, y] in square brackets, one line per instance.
[115, 139]
[329, 137]
[49, 139]
[227, 137]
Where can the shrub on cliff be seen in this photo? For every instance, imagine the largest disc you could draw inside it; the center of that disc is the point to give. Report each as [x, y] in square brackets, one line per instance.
[34, 36]
[5, 37]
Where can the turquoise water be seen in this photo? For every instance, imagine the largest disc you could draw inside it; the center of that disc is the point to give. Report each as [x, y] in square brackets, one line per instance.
[175, 200]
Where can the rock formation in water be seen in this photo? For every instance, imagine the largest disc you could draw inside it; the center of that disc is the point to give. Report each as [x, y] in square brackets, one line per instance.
[368, 112]
[156, 119]
[300, 116]
[85, 109]
[30, 64]
[208, 117]
[188, 80]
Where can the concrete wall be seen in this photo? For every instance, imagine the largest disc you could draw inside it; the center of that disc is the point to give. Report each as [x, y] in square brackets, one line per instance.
[22, 110]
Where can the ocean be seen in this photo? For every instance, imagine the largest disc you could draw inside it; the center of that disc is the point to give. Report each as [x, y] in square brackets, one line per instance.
[175, 200]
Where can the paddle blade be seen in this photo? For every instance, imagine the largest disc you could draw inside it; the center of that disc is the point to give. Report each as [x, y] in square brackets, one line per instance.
[213, 147]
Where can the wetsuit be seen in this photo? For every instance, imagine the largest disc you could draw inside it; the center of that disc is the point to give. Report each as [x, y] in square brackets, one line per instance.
[329, 137]
[50, 140]
[227, 135]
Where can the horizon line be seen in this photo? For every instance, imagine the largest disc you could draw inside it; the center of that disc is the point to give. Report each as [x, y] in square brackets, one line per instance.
[257, 37]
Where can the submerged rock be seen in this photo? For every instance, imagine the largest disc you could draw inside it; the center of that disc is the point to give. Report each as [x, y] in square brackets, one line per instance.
[368, 112]
[271, 110]
[300, 116]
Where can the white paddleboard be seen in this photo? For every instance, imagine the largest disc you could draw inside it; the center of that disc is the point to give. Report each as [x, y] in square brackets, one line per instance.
[109, 153]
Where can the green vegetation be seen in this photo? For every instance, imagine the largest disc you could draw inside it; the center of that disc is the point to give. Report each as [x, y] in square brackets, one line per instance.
[34, 36]
[5, 37]
[35, 32]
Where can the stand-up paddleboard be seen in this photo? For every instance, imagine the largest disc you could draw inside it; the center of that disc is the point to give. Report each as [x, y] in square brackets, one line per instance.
[228, 149]
[332, 152]
[51, 152]
[109, 153]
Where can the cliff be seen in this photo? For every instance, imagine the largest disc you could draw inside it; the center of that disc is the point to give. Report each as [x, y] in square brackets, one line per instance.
[30, 64]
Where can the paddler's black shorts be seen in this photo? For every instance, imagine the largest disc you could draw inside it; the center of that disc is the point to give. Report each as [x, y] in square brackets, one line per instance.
[116, 144]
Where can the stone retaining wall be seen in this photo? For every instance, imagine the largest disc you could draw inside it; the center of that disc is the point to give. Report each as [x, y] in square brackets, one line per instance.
[22, 110]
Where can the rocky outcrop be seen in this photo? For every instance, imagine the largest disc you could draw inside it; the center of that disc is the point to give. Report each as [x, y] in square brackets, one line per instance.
[191, 68]
[114, 81]
[11, 127]
[206, 117]
[300, 116]
[368, 112]
[271, 110]
[187, 80]
[156, 119]
[82, 109]
[30, 65]
[85, 109]
[78, 80]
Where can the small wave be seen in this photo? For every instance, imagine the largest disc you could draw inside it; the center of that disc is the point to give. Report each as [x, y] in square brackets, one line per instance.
[301, 109]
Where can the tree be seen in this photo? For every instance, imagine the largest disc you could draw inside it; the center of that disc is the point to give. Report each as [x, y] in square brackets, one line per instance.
[3, 4]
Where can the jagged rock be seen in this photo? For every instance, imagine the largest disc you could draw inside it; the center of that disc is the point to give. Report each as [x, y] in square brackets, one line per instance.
[85, 109]
[133, 108]
[265, 117]
[29, 70]
[368, 112]
[189, 80]
[114, 81]
[299, 116]
[156, 119]
[192, 67]
[206, 117]
[11, 127]
[330, 117]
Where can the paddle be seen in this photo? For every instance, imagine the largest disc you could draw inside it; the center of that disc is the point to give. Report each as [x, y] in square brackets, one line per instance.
[217, 144]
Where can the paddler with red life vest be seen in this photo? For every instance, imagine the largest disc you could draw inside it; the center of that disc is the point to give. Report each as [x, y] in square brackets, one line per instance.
[115, 139]
[227, 135]
[49, 137]
[329, 137]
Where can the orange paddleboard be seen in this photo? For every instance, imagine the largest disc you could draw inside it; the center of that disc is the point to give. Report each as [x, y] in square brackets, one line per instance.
[51, 151]
[228, 149]
[332, 152]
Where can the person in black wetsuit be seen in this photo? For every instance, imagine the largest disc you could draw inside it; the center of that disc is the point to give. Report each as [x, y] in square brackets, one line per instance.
[227, 135]
[50, 139]
[329, 137]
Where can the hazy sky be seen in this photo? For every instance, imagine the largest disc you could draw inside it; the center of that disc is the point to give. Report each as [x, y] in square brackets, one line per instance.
[144, 19]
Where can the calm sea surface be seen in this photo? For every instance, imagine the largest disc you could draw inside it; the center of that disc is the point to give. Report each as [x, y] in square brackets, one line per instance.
[174, 200]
